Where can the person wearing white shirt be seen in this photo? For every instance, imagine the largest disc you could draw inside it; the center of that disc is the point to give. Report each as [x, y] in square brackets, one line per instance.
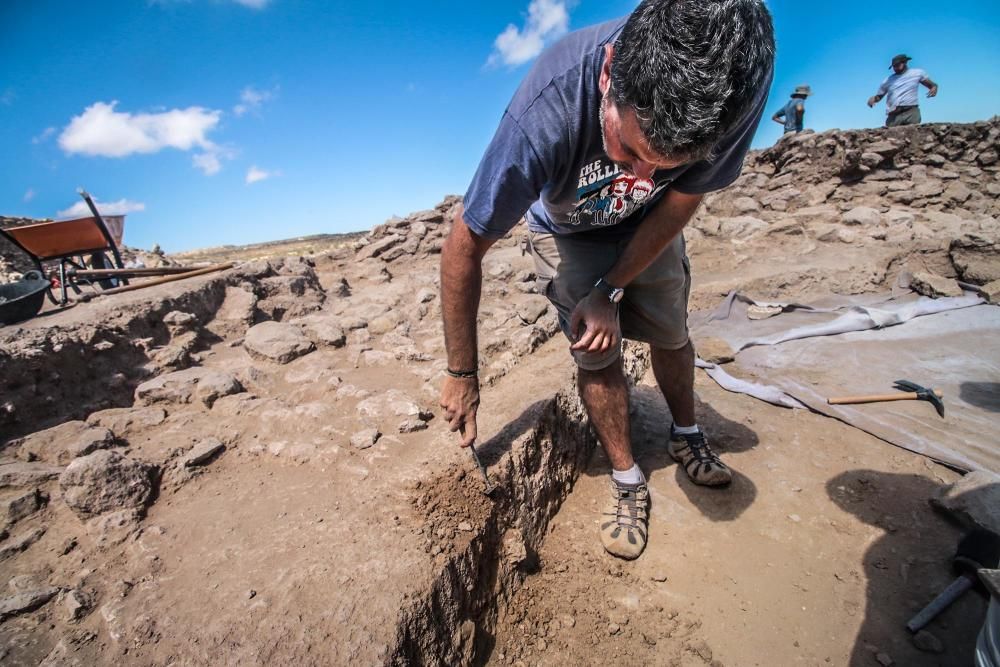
[901, 87]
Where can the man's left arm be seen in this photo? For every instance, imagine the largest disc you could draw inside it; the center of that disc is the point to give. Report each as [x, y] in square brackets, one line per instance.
[654, 234]
[932, 87]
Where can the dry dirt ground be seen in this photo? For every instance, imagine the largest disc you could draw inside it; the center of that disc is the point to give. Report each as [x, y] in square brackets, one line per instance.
[250, 467]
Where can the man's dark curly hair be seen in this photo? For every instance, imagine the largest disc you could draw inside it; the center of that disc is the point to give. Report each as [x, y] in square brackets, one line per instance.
[691, 69]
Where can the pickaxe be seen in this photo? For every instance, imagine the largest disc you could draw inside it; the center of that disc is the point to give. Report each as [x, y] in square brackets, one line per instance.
[912, 391]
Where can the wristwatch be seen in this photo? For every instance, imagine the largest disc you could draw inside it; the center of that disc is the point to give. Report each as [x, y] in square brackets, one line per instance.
[614, 294]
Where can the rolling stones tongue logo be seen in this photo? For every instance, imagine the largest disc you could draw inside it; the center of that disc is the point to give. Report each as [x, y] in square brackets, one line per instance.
[614, 201]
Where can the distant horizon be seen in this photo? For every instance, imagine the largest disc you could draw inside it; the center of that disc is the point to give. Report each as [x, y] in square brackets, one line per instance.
[228, 122]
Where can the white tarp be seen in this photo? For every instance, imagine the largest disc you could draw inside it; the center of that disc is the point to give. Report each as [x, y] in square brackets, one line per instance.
[861, 345]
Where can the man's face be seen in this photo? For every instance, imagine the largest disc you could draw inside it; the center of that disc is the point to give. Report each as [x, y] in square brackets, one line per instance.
[624, 141]
[899, 68]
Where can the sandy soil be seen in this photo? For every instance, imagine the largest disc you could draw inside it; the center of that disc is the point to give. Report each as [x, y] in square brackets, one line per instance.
[819, 553]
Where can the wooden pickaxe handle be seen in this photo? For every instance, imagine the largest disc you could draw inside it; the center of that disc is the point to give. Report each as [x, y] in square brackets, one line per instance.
[903, 396]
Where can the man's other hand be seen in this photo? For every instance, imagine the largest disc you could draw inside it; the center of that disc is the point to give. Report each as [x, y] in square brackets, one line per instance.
[598, 318]
[872, 101]
[460, 400]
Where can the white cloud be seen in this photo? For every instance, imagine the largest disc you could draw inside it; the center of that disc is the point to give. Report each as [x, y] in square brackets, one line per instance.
[255, 174]
[100, 130]
[29, 195]
[547, 20]
[120, 207]
[208, 162]
[44, 136]
[252, 98]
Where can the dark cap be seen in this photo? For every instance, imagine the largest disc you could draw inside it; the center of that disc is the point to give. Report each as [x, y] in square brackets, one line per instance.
[901, 58]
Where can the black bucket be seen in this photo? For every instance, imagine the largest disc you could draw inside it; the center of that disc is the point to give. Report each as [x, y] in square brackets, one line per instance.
[22, 300]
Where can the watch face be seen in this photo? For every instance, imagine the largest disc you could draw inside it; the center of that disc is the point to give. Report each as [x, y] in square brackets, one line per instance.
[616, 294]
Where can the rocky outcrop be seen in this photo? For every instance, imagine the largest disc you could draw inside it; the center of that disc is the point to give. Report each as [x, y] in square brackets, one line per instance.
[417, 235]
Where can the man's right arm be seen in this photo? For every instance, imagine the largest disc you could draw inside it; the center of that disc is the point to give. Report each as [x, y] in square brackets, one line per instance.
[877, 97]
[461, 287]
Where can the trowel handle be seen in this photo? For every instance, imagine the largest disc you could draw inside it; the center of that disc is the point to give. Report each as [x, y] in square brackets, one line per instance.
[899, 396]
[940, 603]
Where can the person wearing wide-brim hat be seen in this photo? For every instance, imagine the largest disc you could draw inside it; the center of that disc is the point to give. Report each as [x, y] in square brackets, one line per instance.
[901, 87]
[793, 113]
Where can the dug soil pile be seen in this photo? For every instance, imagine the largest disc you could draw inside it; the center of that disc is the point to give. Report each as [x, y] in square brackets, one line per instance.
[250, 467]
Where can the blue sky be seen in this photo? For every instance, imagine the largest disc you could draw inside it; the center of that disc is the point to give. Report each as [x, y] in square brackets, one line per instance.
[224, 121]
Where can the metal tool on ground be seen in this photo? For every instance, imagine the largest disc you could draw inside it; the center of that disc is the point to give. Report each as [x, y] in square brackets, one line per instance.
[137, 272]
[490, 487]
[159, 281]
[911, 392]
[977, 550]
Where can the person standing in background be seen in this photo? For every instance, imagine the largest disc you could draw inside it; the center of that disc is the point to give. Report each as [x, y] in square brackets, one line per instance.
[793, 113]
[901, 87]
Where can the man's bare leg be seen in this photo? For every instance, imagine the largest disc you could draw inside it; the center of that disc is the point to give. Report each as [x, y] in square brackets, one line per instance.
[624, 521]
[605, 395]
[674, 371]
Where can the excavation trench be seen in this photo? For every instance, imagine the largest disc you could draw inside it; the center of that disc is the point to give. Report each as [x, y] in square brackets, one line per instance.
[535, 459]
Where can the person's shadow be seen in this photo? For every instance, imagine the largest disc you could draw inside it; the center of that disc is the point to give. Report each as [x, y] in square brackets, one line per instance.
[651, 421]
[985, 395]
[905, 569]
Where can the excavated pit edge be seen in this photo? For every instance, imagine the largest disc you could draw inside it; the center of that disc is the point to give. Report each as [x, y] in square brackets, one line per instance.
[454, 621]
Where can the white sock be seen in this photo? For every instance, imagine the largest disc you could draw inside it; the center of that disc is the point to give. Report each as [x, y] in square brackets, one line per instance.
[685, 430]
[631, 476]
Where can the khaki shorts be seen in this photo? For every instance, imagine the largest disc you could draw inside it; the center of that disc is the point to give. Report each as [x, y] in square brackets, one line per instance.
[653, 309]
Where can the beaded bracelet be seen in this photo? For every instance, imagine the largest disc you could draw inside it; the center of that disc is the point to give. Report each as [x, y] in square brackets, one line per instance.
[462, 374]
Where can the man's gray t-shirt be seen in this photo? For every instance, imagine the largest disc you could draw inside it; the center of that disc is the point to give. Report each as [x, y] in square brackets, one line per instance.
[547, 159]
[902, 88]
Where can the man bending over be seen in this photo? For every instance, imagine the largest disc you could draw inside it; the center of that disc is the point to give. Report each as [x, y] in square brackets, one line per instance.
[606, 149]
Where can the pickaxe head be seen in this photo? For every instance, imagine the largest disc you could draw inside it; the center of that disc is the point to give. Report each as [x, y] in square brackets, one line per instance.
[923, 394]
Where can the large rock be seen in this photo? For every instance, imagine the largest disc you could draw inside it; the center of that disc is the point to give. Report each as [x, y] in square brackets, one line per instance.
[20, 506]
[324, 329]
[861, 215]
[715, 350]
[977, 259]
[125, 420]
[745, 205]
[63, 443]
[201, 384]
[990, 291]
[973, 501]
[25, 602]
[213, 385]
[933, 285]
[17, 544]
[740, 226]
[392, 403]
[106, 481]
[274, 341]
[236, 313]
[19, 473]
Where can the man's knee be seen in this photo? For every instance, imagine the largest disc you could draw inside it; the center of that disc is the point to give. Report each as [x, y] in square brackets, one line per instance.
[598, 361]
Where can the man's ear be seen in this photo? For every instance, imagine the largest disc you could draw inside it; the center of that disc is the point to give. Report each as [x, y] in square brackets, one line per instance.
[604, 80]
